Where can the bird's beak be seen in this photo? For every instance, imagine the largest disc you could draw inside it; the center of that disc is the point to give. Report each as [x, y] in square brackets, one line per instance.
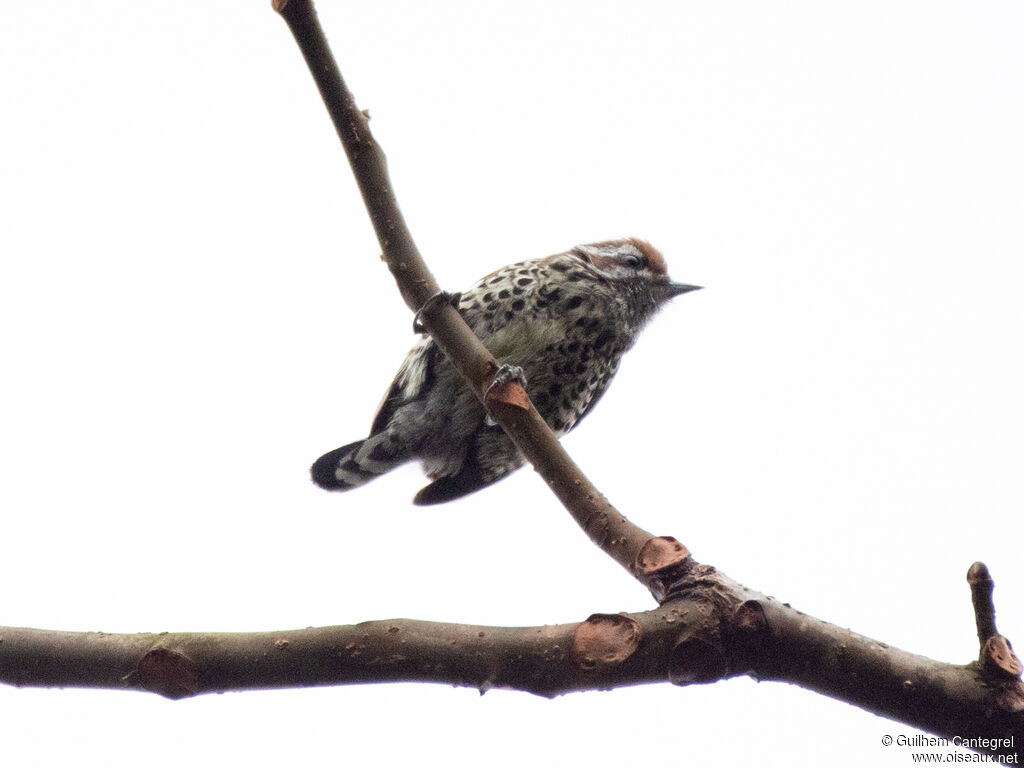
[671, 290]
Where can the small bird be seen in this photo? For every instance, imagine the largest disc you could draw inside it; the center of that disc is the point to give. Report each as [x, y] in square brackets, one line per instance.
[564, 321]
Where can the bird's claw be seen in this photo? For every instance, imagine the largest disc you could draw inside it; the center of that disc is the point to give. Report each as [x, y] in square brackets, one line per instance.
[441, 297]
[505, 374]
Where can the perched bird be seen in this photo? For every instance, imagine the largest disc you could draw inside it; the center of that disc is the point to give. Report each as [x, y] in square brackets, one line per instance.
[565, 320]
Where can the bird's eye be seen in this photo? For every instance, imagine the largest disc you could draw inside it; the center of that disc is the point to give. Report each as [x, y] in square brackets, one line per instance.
[633, 261]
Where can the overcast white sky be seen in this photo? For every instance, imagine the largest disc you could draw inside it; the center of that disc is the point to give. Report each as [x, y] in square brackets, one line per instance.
[193, 310]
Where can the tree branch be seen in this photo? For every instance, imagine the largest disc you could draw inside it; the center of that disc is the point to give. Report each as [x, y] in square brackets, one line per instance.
[712, 629]
[605, 651]
[945, 699]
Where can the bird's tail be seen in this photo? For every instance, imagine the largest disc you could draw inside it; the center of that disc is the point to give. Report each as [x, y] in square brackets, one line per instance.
[357, 463]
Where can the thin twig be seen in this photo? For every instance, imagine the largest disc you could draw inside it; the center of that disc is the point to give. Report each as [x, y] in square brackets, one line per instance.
[996, 655]
[981, 584]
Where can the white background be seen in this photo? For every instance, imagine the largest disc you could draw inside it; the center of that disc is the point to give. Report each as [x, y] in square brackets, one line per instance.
[193, 310]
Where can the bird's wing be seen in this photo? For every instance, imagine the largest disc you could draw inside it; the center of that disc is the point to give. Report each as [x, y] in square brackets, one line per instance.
[413, 379]
[502, 296]
[496, 309]
[509, 308]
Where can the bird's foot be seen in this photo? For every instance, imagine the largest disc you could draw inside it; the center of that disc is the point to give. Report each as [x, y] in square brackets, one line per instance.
[441, 297]
[507, 374]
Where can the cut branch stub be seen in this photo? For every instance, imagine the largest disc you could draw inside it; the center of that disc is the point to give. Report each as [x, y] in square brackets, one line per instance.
[604, 640]
[999, 660]
[168, 673]
[749, 636]
[509, 393]
[749, 618]
[661, 563]
[695, 660]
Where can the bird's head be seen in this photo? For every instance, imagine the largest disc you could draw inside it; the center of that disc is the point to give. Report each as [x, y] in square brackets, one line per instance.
[635, 266]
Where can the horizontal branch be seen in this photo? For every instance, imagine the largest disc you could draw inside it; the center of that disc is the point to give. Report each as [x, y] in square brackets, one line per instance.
[605, 651]
[712, 629]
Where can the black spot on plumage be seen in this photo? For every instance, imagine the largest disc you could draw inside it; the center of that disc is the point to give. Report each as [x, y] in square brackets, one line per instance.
[555, 389]
[518, 305]
[560, 266]
[574, 302]
[575, 277]
[603, 339]
[488, 297]
[552, 295]
[503, 294]
[573, 347]
[524, 281]
[517, 291]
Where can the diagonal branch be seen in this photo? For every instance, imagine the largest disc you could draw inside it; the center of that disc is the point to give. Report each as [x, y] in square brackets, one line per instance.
[509, 406]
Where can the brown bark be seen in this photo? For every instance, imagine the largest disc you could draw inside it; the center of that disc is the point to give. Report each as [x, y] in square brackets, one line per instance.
[711, 629]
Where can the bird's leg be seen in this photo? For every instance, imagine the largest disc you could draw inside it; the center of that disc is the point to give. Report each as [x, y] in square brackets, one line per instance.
[441, 297]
